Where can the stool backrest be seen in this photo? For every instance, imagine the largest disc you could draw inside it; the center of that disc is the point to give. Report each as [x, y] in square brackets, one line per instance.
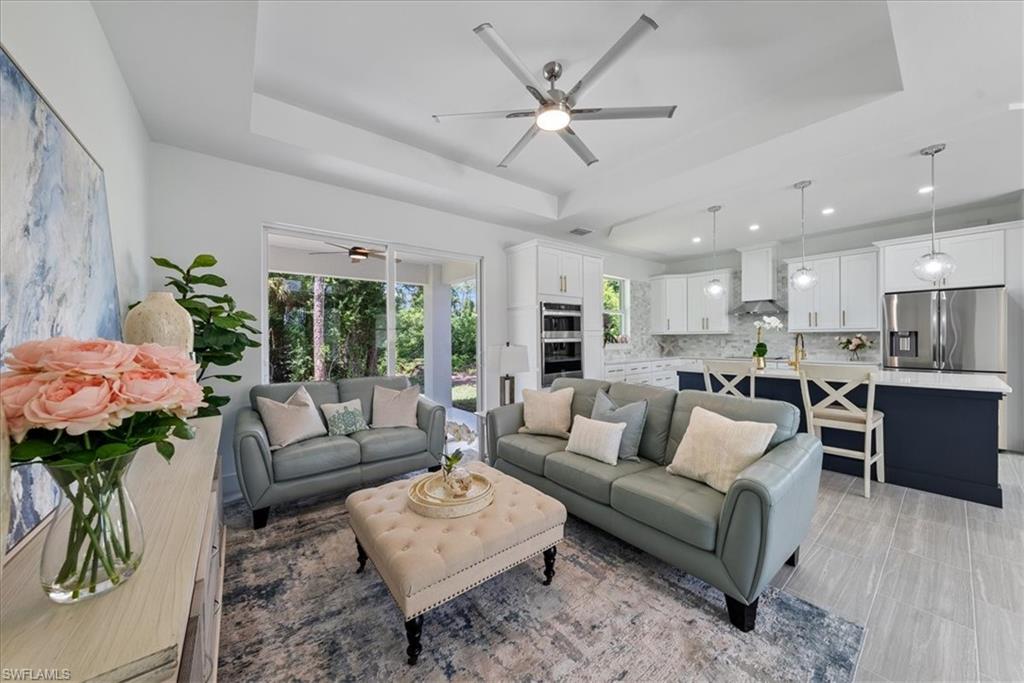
[851, 377]
[720, 369]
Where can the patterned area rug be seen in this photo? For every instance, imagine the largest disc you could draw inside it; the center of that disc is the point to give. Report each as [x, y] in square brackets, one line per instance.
[294, 609]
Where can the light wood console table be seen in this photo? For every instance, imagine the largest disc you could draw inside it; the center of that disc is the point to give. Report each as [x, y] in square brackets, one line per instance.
[164, 623]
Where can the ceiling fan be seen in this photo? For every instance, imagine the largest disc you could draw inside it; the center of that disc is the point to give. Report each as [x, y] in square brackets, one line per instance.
[356, 254]
[557, 108]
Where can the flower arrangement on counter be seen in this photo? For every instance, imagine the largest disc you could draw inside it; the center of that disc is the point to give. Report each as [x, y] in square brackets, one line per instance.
[769, 322]
[82, 409]
[854, 344]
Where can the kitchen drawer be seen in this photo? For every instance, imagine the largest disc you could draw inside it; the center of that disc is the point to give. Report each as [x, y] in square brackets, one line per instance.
[637, 368]
[667, 380]
[639, 378]
[614, 373]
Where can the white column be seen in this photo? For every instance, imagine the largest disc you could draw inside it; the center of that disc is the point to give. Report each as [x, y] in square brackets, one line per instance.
[437, 332]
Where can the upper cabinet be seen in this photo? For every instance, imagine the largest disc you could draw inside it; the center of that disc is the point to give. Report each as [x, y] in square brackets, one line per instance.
[757, 266]
[559, 273]
[979, 257]
[845, 297]
[680, 306]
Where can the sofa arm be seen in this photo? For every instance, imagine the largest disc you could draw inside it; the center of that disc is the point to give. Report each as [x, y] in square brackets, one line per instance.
[252, 456]
[501, 422]
[767, 513]
[430, 418]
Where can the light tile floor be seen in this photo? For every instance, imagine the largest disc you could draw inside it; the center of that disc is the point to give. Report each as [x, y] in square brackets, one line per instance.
[938, 582]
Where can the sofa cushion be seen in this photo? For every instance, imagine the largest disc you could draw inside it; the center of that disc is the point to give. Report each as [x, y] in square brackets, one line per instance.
[682, 508]
[633, 415]
[584, 393]
[785, 416]
[385, 443]
[362, 388]
[547, 412]
[314, 456]
[529, 450]
[320, 392]
[715, 449]
[297, 419]
[660, 403]
[587, 476]
[395, 407]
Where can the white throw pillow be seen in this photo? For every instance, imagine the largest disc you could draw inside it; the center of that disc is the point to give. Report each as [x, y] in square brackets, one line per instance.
[344, 418]
[547, 412]
[715, 449]
[297, 419]
[596, 439]
[394, 408]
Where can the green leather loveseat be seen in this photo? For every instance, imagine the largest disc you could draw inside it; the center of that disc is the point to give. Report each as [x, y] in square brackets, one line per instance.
[331, 463]
[735, 541]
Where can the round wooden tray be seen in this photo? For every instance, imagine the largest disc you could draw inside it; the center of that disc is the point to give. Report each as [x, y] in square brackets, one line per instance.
[428, 497]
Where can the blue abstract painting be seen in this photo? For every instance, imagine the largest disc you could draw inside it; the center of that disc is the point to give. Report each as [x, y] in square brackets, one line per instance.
[56, 258]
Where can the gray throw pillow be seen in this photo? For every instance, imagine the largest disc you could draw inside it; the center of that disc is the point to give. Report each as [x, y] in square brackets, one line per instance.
[633, 414]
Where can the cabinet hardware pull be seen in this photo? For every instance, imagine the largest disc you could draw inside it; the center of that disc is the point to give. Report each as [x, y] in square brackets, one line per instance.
[808, 319]
[815, 318]
[844, 318]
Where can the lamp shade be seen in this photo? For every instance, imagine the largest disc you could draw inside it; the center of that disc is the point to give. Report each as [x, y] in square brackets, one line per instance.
[513, 360]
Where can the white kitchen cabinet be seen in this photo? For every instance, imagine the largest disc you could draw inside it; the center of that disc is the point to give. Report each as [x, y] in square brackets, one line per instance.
[979, 257]
[668, 305]
[817, 308]
[593, 294]
[593, 355]
[559, 273]
[704, 314]
[858, 291]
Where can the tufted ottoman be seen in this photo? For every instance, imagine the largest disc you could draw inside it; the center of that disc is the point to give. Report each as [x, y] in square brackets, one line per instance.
[426, 562]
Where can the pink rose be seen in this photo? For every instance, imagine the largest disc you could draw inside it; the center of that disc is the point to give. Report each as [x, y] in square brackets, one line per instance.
[76, 404]
[17, 389]
[145, 391]
[93, 357]
[190, 395]
[168, 358]
[30, 355]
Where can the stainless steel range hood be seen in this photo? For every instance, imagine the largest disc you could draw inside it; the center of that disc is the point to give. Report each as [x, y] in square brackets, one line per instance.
[766, 307]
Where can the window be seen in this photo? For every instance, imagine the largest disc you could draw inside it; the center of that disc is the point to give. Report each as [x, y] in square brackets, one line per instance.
[616, 310]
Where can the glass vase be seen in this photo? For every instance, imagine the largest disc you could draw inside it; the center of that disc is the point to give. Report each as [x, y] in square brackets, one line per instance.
[94, 542]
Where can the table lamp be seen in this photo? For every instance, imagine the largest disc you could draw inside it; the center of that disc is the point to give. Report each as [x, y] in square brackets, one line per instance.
[512, 361]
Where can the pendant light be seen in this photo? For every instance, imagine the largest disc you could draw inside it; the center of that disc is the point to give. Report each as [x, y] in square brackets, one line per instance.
[803, 278]
[714, 289]
[935, 266]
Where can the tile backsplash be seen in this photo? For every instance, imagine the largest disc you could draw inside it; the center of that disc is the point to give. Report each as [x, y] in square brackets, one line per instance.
[739, 342]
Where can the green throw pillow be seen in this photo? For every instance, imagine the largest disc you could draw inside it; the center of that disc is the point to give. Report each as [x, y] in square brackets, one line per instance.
[633, 414]
[344, 418]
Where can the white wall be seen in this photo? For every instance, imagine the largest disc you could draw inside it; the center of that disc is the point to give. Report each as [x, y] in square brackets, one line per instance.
[61, 47]
[200, 203]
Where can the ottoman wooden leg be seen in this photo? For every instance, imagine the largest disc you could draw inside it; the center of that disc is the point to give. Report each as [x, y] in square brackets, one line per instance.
[549, 564]
[413, 631]
[361, 554]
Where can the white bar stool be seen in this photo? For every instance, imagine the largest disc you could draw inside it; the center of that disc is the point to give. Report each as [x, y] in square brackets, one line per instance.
[720, 369]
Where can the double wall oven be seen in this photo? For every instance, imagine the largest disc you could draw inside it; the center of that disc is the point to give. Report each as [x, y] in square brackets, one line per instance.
[561, 341]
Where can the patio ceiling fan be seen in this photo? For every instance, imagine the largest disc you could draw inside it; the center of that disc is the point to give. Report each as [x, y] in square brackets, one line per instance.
[355, 253]
[557, 109]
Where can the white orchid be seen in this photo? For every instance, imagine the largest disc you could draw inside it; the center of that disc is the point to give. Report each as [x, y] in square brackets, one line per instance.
[768, 322]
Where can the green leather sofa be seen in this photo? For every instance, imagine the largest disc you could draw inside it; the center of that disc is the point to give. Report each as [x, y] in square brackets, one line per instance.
[331, 463]
[735, 541]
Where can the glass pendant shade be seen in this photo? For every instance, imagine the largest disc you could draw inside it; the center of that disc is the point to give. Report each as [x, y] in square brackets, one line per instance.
[803, 278]
[934, 266]
[714, 289]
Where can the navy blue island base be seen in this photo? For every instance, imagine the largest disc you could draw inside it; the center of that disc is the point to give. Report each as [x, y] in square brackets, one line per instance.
[939, 440]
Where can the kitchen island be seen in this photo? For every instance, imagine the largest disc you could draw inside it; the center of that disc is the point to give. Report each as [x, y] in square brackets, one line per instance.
[941, 429]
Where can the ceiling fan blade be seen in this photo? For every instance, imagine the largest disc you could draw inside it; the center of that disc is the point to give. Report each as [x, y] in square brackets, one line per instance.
[503, 52]
[608, 113]
[530, 134]
[638, 30]
[577, 145]
[321, 253]
[335, 244]
[507, 114]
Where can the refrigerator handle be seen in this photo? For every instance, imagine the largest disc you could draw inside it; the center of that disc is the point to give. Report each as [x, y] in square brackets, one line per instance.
[937, 331]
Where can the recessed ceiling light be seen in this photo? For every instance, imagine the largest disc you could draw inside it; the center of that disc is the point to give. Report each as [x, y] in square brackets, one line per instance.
[828, 211]
[925, 190]
[755, 226]
[696, 240]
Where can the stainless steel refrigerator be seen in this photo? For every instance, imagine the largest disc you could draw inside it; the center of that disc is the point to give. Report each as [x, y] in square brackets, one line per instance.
[961, 330]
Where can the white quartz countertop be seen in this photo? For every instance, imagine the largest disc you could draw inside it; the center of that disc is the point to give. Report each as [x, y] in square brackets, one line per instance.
[959, 381]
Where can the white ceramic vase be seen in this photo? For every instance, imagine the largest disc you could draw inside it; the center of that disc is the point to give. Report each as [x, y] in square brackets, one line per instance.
[161, 320]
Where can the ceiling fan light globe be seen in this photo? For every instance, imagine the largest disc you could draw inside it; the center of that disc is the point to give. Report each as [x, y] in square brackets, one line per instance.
[553, 117]
[803, 279]
[714, 289]
[934, 266]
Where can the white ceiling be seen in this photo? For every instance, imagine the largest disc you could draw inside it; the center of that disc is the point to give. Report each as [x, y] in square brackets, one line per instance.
[768, 93]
